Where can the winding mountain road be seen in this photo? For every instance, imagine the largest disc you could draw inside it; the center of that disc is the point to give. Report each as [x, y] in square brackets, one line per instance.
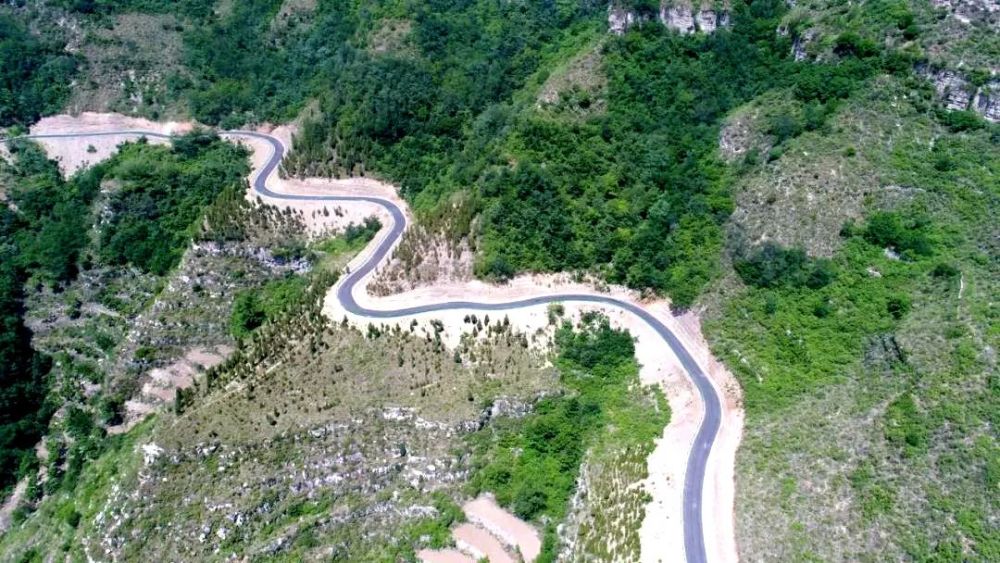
[694, 539]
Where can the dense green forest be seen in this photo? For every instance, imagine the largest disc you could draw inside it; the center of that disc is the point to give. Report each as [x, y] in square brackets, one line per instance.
[23, 381]
[42, 239]
[163, 192]
[34, 74]
[160, 194]
[633, 192]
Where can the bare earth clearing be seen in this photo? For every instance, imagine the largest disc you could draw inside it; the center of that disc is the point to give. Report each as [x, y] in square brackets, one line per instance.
[491, 533]
[662, 530]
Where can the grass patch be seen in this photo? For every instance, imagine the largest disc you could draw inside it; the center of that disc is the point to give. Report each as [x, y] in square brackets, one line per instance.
[335, 252]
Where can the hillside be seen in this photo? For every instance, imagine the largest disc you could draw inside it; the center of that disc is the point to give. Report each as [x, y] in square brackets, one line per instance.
[817, 181]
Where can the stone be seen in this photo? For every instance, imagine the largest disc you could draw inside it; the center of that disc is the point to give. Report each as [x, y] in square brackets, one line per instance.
[800, 43]
[987, 101]
[707, 20]
[678, 17]
[620, 19]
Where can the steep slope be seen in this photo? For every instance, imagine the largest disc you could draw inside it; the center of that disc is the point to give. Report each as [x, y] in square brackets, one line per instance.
[870, 400]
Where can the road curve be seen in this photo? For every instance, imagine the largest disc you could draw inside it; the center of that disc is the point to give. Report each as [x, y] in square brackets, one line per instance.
[694, 537]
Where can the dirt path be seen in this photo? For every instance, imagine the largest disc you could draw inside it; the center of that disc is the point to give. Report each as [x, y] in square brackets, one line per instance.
[74, 154]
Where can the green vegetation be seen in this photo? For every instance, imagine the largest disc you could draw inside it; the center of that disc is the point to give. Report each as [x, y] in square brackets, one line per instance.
[899, 337]
[774, 266]
[42, 239]
[52, 230]
[258, 434]
[72, 506]
[253, 308]
[23, 382]
[434, 532]
[533, 469]
[808, 332]
[353, 239]
[867, 358]
[194, 8]
[634, 192]
[34, 74]
[531, 464]
[162, 196]
[905, 235]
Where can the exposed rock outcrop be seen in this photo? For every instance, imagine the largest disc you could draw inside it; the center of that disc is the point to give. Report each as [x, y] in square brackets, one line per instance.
[987, 100]
[709, 20]
[958, 93]
[741, 133]
[801, 42]
[955, 91]
[679, 15]
[621, 20]
[970, 11]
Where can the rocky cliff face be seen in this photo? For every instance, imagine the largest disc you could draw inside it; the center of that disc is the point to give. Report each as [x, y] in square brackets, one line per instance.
[987, 100]
[679, 15]
[958, 93]
[954, 88]
[621, 20]
[968, 11]
[801, 42]
[955, 91]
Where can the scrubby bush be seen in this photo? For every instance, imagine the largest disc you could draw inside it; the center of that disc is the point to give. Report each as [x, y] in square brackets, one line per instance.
[775, 266]
[898, 306]
[253, 308]
[959, 121]
[945, 270]
[903, 234]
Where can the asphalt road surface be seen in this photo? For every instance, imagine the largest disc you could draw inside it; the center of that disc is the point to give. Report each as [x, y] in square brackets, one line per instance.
[694, 537]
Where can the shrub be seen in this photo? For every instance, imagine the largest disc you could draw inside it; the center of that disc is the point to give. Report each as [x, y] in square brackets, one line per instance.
[68, 514]
[945, 270]
[532, 463]
[892, 230]
[363, 232]
[851, 44]
[959, 121]
[34, 75]
[79, 423]
[905, 427]
[898, 306]
[165, 192]
[775, 266]
[253, 308]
